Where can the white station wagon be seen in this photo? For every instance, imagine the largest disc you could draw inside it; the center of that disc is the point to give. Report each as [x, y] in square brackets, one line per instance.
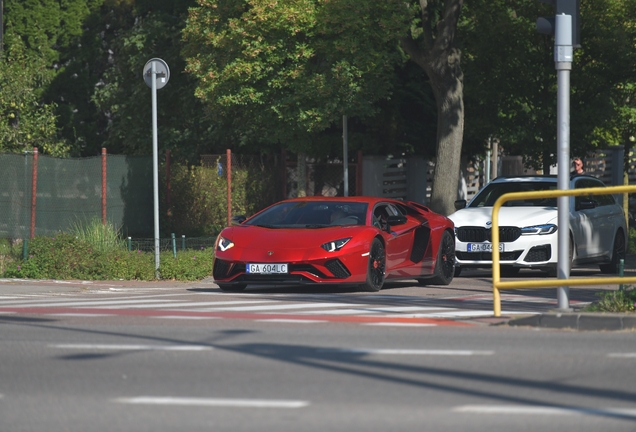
[528, 229]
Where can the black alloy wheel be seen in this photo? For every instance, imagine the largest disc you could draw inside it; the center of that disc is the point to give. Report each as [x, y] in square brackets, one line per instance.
[618, 253]
[445, 265]
[376, 267]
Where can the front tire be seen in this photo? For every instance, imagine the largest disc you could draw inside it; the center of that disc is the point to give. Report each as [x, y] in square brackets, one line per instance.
[445, 264]
[376, 267]
[618, 253]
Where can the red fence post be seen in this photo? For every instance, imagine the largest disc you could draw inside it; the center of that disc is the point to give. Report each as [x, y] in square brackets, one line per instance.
[169, 212]
[34, 189]
[229, 186]
[104, 188]
[284, 173]
[359, 174]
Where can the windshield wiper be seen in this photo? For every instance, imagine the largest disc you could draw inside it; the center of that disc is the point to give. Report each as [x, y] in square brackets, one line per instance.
[316, 226]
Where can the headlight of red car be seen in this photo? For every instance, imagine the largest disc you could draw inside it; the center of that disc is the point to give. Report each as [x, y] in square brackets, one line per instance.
[223, 244]
[335, 245]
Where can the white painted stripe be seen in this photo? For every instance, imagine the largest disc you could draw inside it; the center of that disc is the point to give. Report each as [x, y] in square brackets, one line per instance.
[238, 403]
[38, 298]
[189, 304]
[543, 410]
[94, 303]
[133, 347]
[187, 317]
[377, 310]
[385, 351]
[463, 314]
[7, 313]
[622, 355]
[397, 324]
[79, 315]
[275, 307]
[281, 320]
[6, 297]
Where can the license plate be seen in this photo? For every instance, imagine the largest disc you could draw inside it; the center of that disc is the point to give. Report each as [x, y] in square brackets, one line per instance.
[483, 247]
[266, 268]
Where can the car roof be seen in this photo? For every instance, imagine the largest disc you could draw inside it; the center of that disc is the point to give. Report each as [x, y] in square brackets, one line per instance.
[538, 178]
[361, 199]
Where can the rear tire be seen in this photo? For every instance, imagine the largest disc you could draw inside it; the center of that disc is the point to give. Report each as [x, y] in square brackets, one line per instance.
[376, 267]
[618, 253]
[231, 287]
[445, 264]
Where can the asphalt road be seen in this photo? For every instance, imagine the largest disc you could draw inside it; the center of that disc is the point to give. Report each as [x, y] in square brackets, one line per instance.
[167, 357]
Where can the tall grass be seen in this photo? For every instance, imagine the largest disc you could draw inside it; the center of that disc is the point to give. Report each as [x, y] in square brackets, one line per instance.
[102, 237]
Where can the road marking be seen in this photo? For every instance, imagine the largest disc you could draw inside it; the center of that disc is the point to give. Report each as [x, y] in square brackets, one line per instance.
[275, 307]
[377, 310]
[7, 313]
[284, 320]
[84, 303]
[406, 351]
[133, 347]
[397, 324]
[80, 315]
[544, 410]
[622, 355]
[238, 403]
[188, 304]
[186, 317]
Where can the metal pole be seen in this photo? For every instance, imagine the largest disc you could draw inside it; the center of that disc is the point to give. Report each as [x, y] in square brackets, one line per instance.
[34, 190]
[563, 63]
[155, 164]
[345, 153]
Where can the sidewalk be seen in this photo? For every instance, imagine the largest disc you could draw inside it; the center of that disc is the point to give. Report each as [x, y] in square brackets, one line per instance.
[577, 320]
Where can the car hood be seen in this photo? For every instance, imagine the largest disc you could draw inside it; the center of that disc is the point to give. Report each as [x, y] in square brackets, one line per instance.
[254, 237]
[508, 216]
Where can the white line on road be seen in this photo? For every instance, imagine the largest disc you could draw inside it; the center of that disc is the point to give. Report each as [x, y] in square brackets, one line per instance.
[622, 355]
[376, 310]
[400, 324]
[238, 403]
[185, 317]
[407, 351]
[274, 307]
[282, 320]
[189, 304]
[80, 315]
[133, 347]
[543, 410]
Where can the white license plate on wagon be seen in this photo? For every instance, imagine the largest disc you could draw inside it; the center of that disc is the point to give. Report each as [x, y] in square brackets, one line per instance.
[267, 268]
[483, 247]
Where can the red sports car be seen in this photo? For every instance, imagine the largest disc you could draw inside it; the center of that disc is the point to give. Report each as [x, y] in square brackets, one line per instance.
[359, 241]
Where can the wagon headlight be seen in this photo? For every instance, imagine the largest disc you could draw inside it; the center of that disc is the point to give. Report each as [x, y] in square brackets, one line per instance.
[335, 245]
[539, 229]
[224, 244]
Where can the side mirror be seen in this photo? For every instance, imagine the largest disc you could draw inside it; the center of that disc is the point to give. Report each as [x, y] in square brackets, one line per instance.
[460, 204]
[396, 220]
[237, 220]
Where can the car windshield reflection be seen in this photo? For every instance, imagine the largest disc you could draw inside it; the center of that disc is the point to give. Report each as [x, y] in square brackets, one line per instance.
[312, 215]
[491, 193]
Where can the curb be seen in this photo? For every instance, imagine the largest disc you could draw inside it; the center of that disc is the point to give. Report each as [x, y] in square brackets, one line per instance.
[578, 321]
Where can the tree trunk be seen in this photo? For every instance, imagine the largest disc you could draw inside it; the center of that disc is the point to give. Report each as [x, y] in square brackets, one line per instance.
[435, 52]
[450, 133]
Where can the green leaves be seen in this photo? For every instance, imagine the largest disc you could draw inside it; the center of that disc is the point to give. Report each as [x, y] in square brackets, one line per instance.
[290, 70]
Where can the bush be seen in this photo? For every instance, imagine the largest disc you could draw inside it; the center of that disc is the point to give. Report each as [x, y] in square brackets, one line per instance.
[614, 301]
[69, 257]
[198, 204]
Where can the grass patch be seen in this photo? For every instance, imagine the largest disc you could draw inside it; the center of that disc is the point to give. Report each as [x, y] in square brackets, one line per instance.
[614, 301]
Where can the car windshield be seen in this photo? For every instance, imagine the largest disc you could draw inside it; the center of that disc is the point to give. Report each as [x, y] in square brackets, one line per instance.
[488, 195]
[311, 214]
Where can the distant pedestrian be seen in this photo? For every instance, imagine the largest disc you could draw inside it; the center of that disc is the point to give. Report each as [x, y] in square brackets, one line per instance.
[577, 164]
